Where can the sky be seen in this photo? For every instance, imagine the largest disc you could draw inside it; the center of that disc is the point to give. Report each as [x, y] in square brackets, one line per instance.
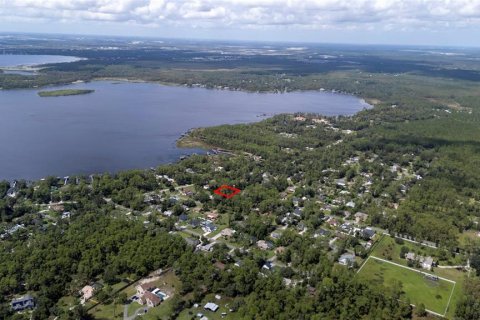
[413, 22]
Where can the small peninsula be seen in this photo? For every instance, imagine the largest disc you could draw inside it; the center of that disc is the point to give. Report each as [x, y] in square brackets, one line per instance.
[66, 92]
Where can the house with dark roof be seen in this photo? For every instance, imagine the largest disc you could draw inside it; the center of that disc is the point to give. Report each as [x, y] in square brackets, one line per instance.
[298, 212]
[23, 303]
[209, 227]
[368, 233]
[147, 294]
[321, 233]
[195, 223]
[150, 299]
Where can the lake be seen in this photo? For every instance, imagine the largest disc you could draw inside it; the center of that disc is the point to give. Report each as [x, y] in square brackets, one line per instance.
[17, 60]
[129, 125]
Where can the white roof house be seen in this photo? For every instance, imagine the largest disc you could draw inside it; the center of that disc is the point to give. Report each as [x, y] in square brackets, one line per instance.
[211, 306]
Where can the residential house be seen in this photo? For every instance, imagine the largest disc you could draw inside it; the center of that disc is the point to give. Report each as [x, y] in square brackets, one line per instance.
[144, 287]
[426, 262]
[332, 222]
[321, 233]
[227, 232]
[410, 256]
[275, 235]
[360, 217]
[295, 201]
[183, 217]
[368, 245]
[279, 250]
[150, 299]
[211, 306]
[301, 226]
[347, 259]
[12, 192]
[267, 265]
[368, 233]
[341, 182]
[87, 292]
[346, 227]
[207, 247]
[350, 204]
[56, 206]
[66, 215]
[195, 223]
[168, 213]
[291, 189]
[147, 294]
[212, 216]
[264, 245]
[22, 303]
[209, 227]
[298, 212]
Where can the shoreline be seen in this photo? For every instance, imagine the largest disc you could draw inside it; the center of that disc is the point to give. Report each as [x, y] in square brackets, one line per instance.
[186, 140]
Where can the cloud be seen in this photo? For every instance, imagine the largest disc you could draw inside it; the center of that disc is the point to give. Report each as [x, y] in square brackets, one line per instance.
[309, 14]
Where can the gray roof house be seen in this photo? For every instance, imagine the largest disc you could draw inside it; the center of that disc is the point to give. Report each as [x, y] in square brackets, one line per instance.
[211, 306]
[22, 303]
[427, 263]
[347, 259]
[368, 233]
[410, 256]
[321, 233]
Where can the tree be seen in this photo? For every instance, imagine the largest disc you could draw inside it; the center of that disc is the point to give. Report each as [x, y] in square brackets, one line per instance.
[475, 262]
[421, 312]
[403, 252]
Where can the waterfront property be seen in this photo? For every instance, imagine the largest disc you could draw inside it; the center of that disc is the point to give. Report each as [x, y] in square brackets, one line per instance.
[79, 134]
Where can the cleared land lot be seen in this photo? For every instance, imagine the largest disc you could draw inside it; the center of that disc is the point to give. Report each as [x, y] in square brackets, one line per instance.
[435, 295]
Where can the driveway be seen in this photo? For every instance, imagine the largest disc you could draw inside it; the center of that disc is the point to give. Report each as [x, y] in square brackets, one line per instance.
[140, 311]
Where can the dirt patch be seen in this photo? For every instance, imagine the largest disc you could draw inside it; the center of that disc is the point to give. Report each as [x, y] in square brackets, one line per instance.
[373, 101]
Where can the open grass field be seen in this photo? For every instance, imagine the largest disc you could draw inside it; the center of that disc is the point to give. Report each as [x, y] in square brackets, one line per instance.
[435, 295]
[388, 249]
[223, 304]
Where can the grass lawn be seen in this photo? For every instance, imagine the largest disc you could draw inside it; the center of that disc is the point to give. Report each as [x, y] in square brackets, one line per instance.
[67, 302]
[163, 311]
[468, 238]
[103, 311]
[223, 304]
[433, 294]
[388, 249]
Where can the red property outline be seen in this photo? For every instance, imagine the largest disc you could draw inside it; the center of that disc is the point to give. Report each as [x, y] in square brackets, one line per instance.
[234, 190]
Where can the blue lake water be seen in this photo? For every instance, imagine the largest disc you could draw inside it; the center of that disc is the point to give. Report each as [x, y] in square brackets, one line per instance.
[129, 125]
[15, 60]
